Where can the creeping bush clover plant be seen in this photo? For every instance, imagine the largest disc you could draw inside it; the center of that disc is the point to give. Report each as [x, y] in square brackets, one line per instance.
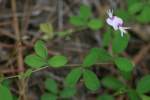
[118, 38]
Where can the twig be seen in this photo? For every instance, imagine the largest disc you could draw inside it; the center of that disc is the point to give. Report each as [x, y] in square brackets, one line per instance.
[18, 37]
[60, 14]
[42, 68]
[138, 58]
[22, 82]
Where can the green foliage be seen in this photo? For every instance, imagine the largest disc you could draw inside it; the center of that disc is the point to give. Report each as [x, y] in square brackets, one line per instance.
[133, 95]
[123, 14]
[84, 19]
[131, 2]
[126, 74]
[68, 92]
[144, 16]
[95, 24]
[143, 85]
[47, 28]
[65, 33]
[85, 11]
[103, 55]
[77, 21]
[48, 96]
[51, 85]
[106, 39]
[91, 58]
[112, 83]
[119, 43]
[57, 61]
[73, 77]
[105, 97]
[124, 64]
[95, 55]
[90, 79]
[40, 49]
[54, 92]
[145, 97]
[35, 61]
[5, 93]
[135, 8]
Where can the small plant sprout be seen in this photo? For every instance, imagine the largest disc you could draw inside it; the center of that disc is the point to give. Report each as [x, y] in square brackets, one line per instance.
[116, 22]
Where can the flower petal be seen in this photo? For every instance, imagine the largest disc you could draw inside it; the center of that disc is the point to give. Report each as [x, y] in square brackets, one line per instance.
[109, 21]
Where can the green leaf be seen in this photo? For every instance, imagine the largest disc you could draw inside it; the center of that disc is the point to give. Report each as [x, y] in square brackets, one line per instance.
[41, 49]
[73, 77]
[123, 14]
[132, 2]
[5, 93]
[91, 58]
[135, 8]
[68, 92]
[105, 97]
[90, 80]
[95, 55]
[144, 16]
[77, 21]
[51, 85]
[48, 96]
[145, 97]
[57, 61]
[119, 43]
[95, 24]
[143, 85]
[34, 61]
[112, 83]
[126, 75]
[103, 55]
[85, 11]
[106, 39]
[124, 64]
[47, 28]
[65, 33]
[133, 95]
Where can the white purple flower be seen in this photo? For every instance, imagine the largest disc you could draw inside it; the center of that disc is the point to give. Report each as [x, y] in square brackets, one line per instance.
[116, 22]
